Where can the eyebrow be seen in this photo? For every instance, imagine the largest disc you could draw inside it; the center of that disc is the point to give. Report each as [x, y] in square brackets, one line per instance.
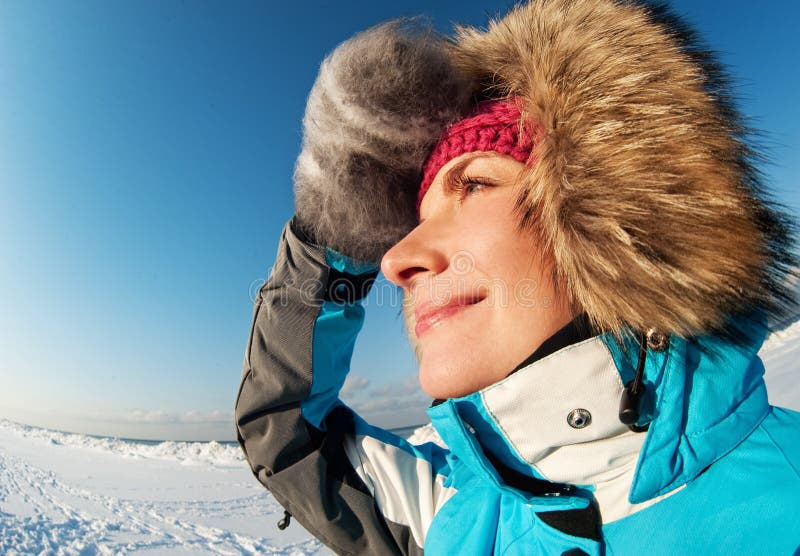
[451, 177]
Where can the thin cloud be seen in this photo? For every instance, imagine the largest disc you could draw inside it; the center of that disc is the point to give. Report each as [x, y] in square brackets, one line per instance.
[354, 384]
[405, 388]
[149, 417]
[395, 396]
[162, 417]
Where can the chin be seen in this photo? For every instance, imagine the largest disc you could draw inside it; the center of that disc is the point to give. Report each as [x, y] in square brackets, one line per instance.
[442, 381]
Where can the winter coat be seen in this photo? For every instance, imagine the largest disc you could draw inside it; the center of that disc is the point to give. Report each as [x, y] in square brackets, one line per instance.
[538, 463]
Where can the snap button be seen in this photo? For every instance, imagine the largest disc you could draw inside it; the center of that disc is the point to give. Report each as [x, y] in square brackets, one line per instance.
[657, 341]
[579, 418]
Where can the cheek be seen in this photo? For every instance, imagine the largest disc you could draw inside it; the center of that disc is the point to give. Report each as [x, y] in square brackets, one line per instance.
[496, 251]
[484, 229]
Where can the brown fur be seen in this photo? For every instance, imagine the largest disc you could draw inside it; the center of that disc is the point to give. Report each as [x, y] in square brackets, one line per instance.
[643, 188]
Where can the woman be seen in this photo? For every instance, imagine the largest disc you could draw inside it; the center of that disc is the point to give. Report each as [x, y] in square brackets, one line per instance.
[586, 280]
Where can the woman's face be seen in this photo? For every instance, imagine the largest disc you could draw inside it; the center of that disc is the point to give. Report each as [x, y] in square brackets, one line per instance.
[477, 295]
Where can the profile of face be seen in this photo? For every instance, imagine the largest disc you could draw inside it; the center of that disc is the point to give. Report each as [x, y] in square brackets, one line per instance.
[478, 296]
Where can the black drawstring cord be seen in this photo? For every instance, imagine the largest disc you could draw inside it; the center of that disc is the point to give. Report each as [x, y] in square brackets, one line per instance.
[287, 519]
[631, 395]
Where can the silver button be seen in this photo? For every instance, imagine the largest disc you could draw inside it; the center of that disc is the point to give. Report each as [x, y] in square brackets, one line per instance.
[657, 341]
[579, 418]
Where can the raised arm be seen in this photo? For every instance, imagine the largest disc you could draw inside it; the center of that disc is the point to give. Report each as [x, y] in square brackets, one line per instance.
[380, 99]
[297, 358]
[359, 489]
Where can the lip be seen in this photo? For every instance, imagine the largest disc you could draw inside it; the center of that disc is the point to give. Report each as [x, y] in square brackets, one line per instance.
[429, 314]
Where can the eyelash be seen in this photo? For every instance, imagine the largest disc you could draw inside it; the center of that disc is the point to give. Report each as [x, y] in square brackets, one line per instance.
[462, 185]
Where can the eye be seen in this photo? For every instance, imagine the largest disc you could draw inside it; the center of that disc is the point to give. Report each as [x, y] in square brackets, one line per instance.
[464, 186]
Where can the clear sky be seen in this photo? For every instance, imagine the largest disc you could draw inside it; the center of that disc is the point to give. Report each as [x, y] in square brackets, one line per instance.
[146, 153]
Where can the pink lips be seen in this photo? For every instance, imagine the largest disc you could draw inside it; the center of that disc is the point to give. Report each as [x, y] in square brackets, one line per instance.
[429, 314]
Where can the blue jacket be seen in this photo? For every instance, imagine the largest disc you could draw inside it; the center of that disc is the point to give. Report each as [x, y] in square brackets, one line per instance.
[538, 463]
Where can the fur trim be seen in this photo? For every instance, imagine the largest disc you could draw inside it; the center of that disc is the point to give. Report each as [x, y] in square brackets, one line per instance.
[379, 103]
[642, 184]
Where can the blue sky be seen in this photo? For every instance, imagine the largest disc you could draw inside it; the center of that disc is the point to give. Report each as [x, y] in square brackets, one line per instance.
[146, 153]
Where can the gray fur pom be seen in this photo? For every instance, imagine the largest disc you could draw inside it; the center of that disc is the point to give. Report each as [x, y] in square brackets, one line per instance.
[380, 102]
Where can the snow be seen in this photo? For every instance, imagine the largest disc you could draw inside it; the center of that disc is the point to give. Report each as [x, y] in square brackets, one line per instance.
[63, 493]
[781, 354]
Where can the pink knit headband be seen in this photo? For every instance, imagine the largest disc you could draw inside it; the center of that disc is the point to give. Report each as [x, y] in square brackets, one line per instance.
[492, 126]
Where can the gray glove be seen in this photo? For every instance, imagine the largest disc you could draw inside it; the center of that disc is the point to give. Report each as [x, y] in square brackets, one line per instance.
[379, 103]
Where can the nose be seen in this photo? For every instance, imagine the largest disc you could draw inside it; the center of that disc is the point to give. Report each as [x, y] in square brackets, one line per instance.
[416, 256]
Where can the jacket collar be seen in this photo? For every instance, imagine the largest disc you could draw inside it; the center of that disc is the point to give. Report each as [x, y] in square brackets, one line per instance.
[709, 396]
[703, 397]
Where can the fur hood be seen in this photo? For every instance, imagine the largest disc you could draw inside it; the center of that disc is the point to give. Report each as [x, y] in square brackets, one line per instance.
[642, 183]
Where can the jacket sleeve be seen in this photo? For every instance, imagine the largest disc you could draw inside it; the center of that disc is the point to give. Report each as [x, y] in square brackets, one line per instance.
[359, 489]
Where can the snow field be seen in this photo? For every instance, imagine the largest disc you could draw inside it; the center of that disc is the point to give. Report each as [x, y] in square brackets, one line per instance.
[72, 494]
